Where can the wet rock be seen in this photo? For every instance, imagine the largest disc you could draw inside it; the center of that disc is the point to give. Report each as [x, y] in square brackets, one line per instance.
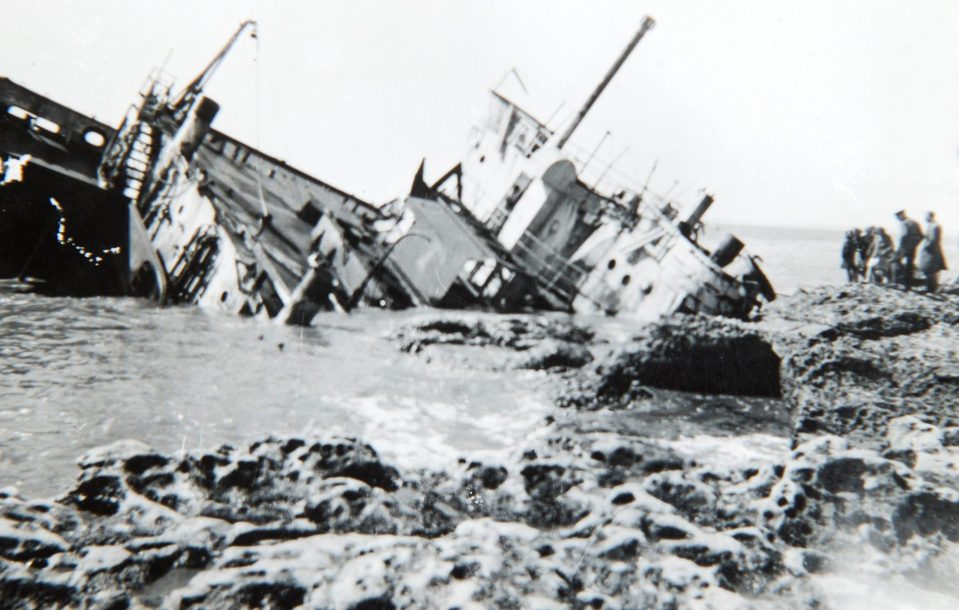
[99, 494]
[444, 332]
[546, 481]
[544, 342]
[693, 498]
[546, 484]
[374, 603]
[348, 458]
[492, 477]
[264, 593]
[620, 547]
[888, 353]
[339, 505]
[866, 306]
[842, 475]
[926, 514]
[684, 353]
[30, 591]
[899, 323]
[562, 356]
[25, 542]
[681, 532]
[829, 491]
[696, 355]
[925, 448]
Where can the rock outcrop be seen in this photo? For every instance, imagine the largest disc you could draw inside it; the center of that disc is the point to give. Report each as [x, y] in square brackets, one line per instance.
[540, 342]
[856, 357]
[593, 521]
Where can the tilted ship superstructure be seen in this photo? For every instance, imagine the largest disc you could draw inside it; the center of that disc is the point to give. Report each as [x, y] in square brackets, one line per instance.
[587, 246]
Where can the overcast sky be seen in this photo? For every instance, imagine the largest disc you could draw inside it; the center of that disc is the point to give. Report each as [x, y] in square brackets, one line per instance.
[811, 113]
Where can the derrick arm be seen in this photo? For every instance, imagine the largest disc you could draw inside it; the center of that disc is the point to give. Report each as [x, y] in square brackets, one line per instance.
[188, 95]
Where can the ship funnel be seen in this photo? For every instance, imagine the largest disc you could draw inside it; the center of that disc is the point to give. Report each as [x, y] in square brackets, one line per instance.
[647, 25]
[729, 248]
[700, 210]
[196, 130]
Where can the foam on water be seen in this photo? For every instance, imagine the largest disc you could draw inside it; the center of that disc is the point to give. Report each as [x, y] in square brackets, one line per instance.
[77, 374]
[862, 579]
[727, 453]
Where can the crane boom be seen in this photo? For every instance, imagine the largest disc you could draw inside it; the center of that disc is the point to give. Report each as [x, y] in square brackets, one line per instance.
[186, 98]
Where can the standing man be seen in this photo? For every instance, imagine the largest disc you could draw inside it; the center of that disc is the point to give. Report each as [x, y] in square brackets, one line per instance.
[909, 237]
[849, 255]
[931, 259]
[862, 253]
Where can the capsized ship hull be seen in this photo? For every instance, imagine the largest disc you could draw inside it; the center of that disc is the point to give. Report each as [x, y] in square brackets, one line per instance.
[61, 233]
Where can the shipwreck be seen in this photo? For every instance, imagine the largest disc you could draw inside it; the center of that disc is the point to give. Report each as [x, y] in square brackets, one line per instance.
[168, 208]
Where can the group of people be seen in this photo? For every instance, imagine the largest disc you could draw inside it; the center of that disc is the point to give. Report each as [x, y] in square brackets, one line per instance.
[872, 256]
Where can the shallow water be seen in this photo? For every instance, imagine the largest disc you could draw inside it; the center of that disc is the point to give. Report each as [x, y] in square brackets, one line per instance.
[77, 374]
[81, 373]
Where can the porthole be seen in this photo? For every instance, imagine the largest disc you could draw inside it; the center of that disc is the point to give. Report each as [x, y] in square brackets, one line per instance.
[612, 264]
[46, 125]
[94, 138]
[625, 280]
[18, 112]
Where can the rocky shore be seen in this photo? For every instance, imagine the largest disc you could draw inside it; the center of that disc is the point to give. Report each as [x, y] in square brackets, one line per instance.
[694, 463]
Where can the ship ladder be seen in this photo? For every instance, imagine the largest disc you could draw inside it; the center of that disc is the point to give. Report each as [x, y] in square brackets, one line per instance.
[136, 163]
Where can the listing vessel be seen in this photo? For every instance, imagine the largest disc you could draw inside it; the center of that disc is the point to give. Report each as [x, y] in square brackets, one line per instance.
[224, 225]
[585, 245]
[166, 207]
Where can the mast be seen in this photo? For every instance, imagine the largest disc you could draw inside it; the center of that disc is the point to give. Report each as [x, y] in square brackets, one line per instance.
[189, 94]
[647, 25]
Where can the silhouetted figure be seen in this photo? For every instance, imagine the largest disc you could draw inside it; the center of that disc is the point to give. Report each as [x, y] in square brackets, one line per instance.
[850, 256]
[862, 244]
[881, 266]
[931, 259]
[909, 237]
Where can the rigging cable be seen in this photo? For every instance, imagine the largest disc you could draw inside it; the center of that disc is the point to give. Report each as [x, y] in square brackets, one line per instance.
[264, 210]
[284, 132]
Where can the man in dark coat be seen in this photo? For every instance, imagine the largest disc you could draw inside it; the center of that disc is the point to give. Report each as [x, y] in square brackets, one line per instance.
[931, 259]
[850, 256]
[909, 237]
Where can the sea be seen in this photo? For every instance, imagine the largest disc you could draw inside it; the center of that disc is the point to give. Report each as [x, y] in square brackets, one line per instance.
[81, 373]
